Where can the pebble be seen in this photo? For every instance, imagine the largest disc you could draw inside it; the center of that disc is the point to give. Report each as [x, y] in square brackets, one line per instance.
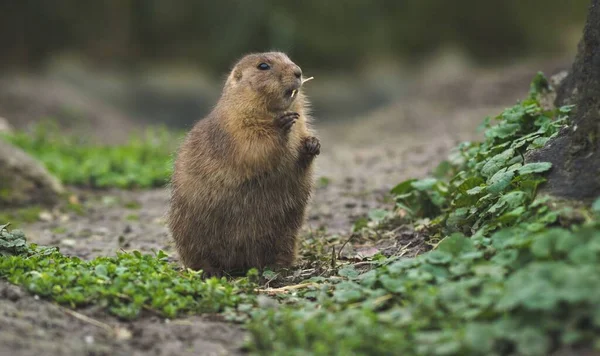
[46, 216]
[122, 334]
[68, 242]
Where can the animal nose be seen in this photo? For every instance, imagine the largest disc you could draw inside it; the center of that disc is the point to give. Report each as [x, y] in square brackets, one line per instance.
[298, 72]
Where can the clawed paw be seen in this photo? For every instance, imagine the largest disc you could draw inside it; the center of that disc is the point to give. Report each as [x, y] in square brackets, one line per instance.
[312, 146]
[287, 120]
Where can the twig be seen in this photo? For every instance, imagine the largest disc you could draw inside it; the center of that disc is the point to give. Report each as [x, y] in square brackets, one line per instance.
[333, 258]
[287, 288]
[362, 263]
[266, 284]
[344, 245]
[86, 319]
[382, 299]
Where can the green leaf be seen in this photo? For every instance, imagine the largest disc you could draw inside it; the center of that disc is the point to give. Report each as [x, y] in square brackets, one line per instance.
[497, 162]
[538, 85]
[347, 292]
[403, 188]
[439, 257]
[424, 184]
[476, 190]
[101, 271]
[161, 255]
[378, 215]
[537, 167]
[539, 142]
[500, 181]
[348, 272]
[502, 131]
[456, 219]
[514, 199]
[456, 244]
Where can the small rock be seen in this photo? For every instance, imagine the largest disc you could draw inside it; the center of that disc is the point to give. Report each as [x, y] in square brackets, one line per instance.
[68, 242]
[127, 229]
[122, 334]
[46, 216]
[89, 339]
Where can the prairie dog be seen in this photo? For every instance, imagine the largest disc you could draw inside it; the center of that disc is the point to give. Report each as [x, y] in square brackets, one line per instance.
[244, 174]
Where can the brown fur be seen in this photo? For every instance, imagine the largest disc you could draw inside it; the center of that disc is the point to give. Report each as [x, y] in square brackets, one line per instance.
[241, 182]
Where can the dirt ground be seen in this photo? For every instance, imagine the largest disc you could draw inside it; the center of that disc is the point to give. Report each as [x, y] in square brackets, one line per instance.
[361, 160]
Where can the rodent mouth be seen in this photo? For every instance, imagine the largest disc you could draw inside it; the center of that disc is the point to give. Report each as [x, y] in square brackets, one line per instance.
[291, 93]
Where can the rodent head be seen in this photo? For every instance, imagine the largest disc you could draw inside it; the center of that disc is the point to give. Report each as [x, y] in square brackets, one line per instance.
[269, 77]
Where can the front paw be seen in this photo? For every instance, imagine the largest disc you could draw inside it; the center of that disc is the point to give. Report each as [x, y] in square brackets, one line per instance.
[312, 146]
[286, 120]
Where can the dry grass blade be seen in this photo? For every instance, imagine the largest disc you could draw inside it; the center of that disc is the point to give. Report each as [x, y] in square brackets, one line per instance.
[307, 79]
[86, 319]
[287, 288]
[117, 332]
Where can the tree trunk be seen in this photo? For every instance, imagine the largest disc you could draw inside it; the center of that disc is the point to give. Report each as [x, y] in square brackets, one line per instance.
[575, 152]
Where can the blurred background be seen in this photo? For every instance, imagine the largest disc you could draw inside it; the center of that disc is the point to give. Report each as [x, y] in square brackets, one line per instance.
[112, 66]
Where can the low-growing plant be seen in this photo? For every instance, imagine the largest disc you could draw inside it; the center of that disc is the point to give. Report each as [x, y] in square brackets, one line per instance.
[126, 285]
[490, 184]
[144, 161]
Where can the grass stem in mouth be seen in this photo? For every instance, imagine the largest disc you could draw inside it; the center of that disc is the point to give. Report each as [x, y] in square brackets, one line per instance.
[303, 81]
[307, 79]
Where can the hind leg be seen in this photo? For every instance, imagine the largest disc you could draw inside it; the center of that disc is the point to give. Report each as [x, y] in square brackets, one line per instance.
[286, 251]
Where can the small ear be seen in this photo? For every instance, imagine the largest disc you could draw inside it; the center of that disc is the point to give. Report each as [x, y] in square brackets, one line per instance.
[237, 75]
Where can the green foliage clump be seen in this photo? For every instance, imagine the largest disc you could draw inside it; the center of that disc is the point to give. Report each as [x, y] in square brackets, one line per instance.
[12, 243]
[505, 278]
[515, 292]
[142, 162]
[488, 185]
[125, 285]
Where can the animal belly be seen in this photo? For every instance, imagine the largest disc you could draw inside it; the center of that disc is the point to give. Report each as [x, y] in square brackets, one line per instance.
[255, 220]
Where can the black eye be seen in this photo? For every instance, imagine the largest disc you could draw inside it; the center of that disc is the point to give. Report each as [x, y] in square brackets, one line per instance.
[264, 66]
